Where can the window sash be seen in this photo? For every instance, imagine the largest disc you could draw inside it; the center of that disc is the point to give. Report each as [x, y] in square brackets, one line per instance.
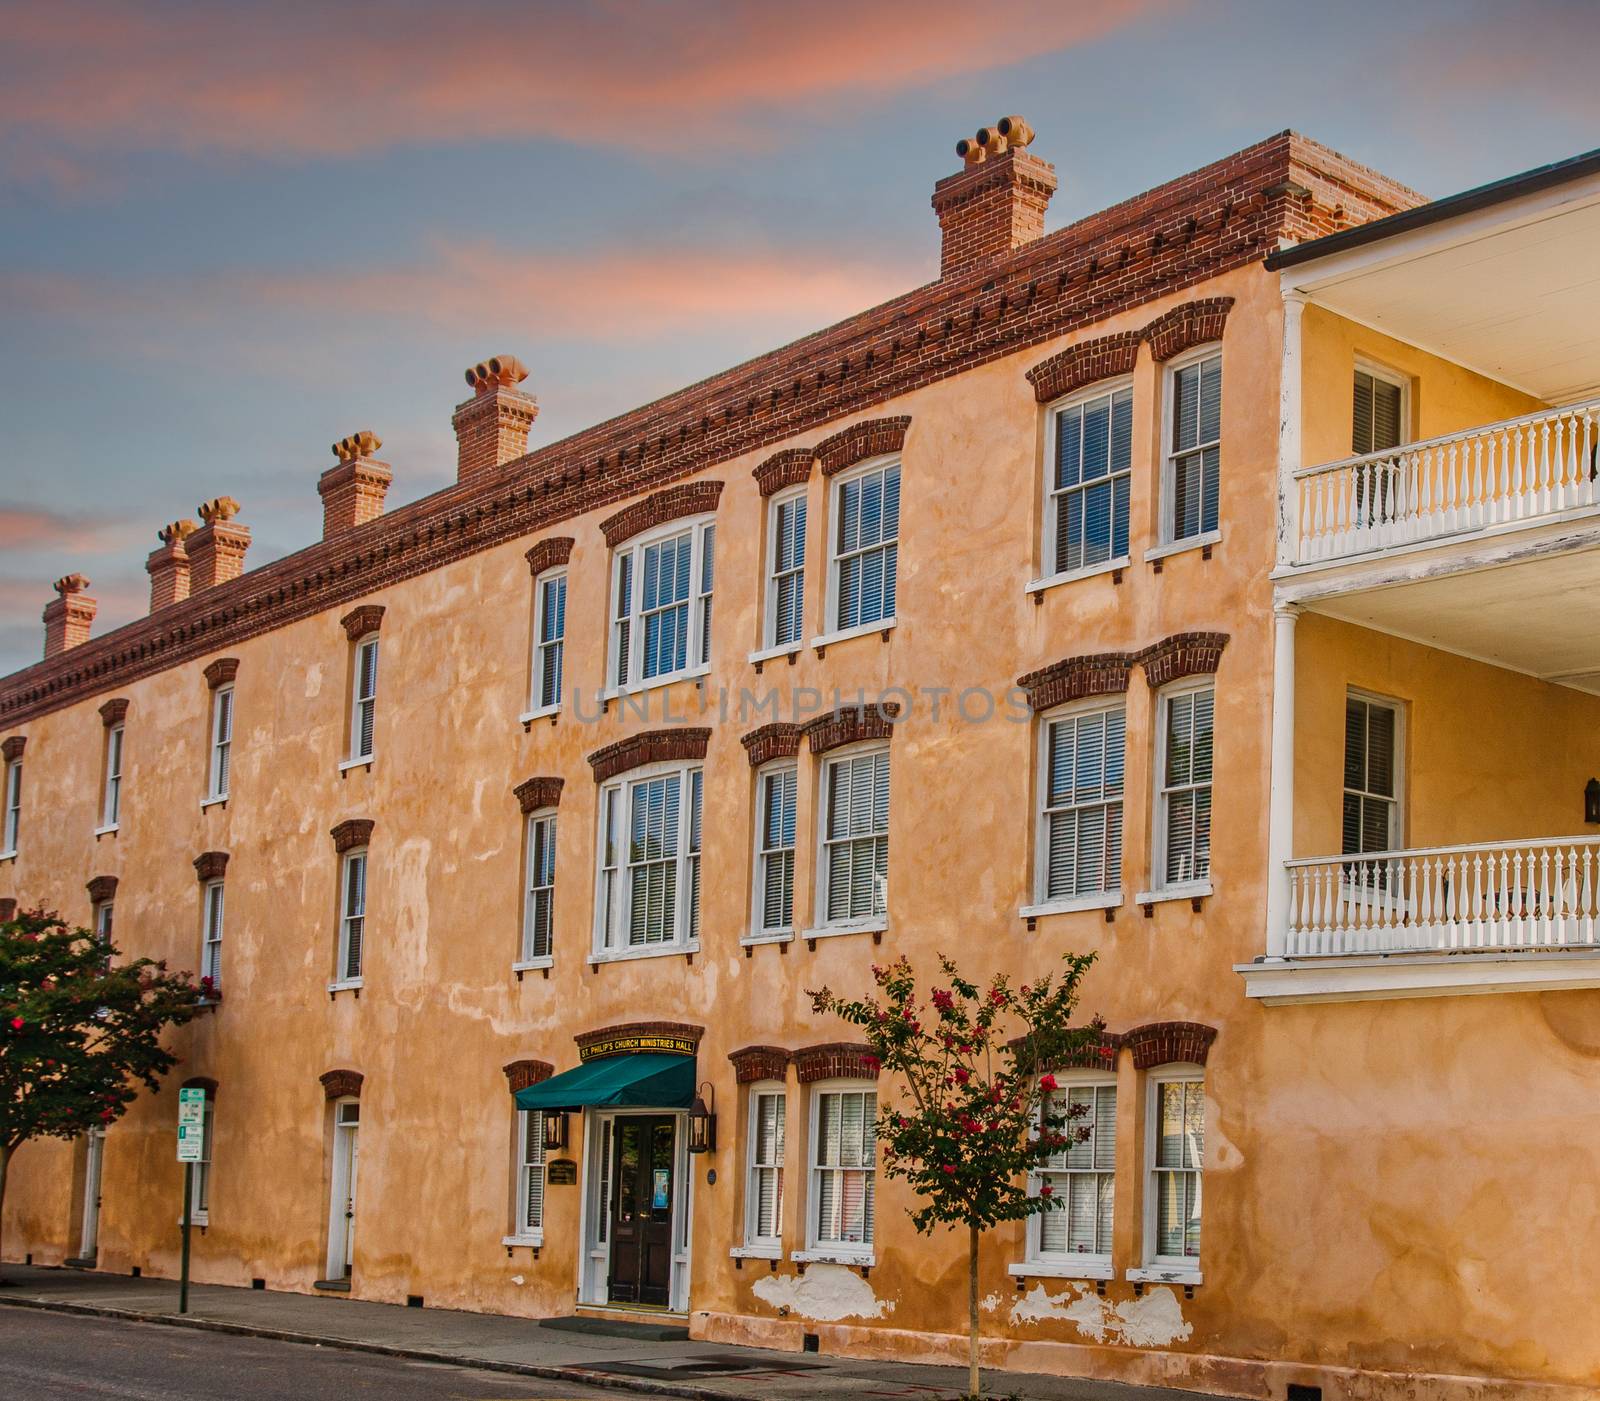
[786, 571]
[866, 547]
[200, 1201]
[1084, 759]
[661, 606]
[353, 919]
[768, 1112]
[365, 705]
[647, 867]
[1377, 413]
[1186, 768]
[1087, 500]
[1194, 455]
[550, 634]
[1177, 1151]
[211, 943]
[1371, 800]
[111, 809]
[775, 848]
[13, 803]
[221, 740]
[1082, 1176]
[538, 919]
[530, 1172]
[844, 1167]
[104, 917]
[855, 847]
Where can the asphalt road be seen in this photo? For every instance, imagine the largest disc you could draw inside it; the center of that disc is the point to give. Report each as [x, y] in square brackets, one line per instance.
[52, 1357]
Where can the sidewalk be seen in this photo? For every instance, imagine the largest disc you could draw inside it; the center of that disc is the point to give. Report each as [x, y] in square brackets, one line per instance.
[524, 1346]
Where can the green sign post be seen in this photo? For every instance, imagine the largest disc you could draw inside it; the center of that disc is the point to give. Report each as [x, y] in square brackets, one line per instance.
[191, 1143]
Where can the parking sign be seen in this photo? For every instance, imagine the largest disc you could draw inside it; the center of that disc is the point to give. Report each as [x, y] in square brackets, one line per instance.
[191, 1124]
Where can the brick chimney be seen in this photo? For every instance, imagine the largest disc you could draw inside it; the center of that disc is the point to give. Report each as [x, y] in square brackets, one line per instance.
[352, 493]
[997, 203]
[492, 426]
[168, 566]
[67, 619]
[216, 550]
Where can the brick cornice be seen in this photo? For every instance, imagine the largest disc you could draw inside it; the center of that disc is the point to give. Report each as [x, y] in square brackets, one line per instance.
[1193, 323]
[835, 1060]
[790, 467]
[872, 437]
[1100, 674]
[221, 671]
[353, 832]
[1224, 216]
[1088, 362]
[779, 740]
[1169, 1043]
[752, 1063]
[678, 744]
[12, 749]
[358, 622]
[342, 1084]
[549, 554]
[849, 724]
[676, 502]
[1182, 654]
[102, 888]
[522, 1073]
[211, 865]
[535, 793]
[114, 712]
[606, 1033]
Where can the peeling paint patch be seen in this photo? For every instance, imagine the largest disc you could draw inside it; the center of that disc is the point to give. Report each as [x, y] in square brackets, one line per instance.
[824, 1293]
[313, 680]
[992, 1303]
[1156, 1320]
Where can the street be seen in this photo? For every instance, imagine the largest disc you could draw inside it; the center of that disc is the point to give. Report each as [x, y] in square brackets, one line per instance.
[49, 1357]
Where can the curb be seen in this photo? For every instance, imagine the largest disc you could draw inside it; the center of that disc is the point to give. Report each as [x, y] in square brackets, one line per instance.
[580, 1375]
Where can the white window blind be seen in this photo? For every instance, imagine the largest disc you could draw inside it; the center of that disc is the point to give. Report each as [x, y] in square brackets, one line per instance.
[1087, 520]
[1371, 809]
[855, 863]
[1178, 1150]
[768, 1109]
[1186, 786]
[786, 588]
[530, 1172]
[111, 809]
[353, 916]
[221, 740]
[1377, 414]
[211, 953]
[550, 634]
[661, 606]
[844, 1167]
[538, 920]
[775, 851]
[366, 699]
[1081, 1176]
[650, 861]
[866, 547]
[1081, 835]
[1194, 462]
[13, 803]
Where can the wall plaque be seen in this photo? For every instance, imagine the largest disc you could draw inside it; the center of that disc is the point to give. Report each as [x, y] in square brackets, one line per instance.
[561, 1172]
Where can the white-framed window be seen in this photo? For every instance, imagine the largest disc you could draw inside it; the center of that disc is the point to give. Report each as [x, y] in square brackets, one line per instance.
[549, 638]
[844, 1162]
[200, 1200]
[1372, 740]
[1192, 474]
[352, 915]
[1379, 411]
[649, 876]
[538, 913]
[1083, 754]
[853, 872]
[13, 805]
[211, 936]
[221, 742]
[104, 919]
[661, 604]
[864, 559]
[1176, 1155]
[111, 802]
[775, 840]
[364, 697]
[1081, 1177]
[786, 569]
[1183, 796]
[529, 1224]
[1091, 469]
[769, 1104]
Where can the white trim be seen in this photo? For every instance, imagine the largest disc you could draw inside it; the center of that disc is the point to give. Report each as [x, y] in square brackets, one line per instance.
[1071, 576]
[1398, 379]
[1045, 721]
[1397, 800]
[531, 823]
[644, 951]
[1070, 1264]
[759, 930]
[1379, 978]
[345, 765]
[535, 1240]
[108, 831]
[359, 701]
[834, 1256]
[1188, 890]
[633, 549]
[342, 977]
[11, 818]
[1093, 1267]
[1160, 887]
[532, 965]
[538, 713]
[877, 920]
[1167, 533]
[860, 926]
[767, 654]
[111, 790]
[769, 614]
[1107, 389]
[345, 984]
[213, 802]
[1178, 547]
[538, 645]
[836, 485]
[757, 1245]
[755, 1252]
[605, 923]
[1104, 900]
[751, 941]
[1157, 1267]
[829, 639]
[218, 785]
[611, 693]
[829, 1251]
[1163, 1274]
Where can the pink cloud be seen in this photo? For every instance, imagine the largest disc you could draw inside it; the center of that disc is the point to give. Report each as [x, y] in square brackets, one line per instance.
[24, 528]
[291, 80]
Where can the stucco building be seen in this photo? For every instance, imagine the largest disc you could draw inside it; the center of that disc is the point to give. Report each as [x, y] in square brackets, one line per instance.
[1202, 584]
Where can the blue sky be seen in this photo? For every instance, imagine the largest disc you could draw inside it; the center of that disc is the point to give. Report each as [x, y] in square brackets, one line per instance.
[231, 234]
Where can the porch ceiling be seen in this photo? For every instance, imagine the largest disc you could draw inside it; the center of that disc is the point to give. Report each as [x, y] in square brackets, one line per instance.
[1535, 616]
[1512, 291]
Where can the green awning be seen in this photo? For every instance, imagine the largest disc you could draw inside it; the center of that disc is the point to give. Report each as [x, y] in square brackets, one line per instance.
[641, 1081]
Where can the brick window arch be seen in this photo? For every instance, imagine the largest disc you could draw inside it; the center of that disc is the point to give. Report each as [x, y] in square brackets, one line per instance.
[341, 1084]
[872, 437]
[791, 467]
[1169, 1043]
[679, 744]
[753, 1063]
[836, 1060]
[1083, 364]
[522, 1073]
[1194, 323]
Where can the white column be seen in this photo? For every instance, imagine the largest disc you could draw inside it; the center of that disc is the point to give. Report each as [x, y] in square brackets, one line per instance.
[1289, 413]
[1280, 803]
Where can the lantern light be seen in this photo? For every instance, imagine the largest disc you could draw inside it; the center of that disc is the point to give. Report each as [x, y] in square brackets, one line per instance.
[555, 1130]
[703, 1121]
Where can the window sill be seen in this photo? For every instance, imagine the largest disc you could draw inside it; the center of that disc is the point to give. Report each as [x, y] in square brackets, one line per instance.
[774, 936]
[1189, 890]
[756, 1252]
[221, 800]
[845, 634]
[539, 712]
[529, 965]
[8, 855]
[533, 1241]
[109, 830]
[655, 683]
[198, 1218]
[339, 985]
[1202, 541]
[1071, 576]
[770, 654]
[1165, 1274]
[364, 763]
[648, 951]
[1089, 1268]
[840, 1255]
[834, 931]
[1105, 900]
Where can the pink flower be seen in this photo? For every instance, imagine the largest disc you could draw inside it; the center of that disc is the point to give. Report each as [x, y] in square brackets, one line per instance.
[1047, 1082]
[962, 1074]
[1106, 1052]
[996, 997]
[17, 1023]
[942, 1000]
[1047, 1190]
[949, 1170]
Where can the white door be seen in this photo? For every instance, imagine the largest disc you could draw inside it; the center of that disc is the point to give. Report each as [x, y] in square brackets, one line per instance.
[89, 1245]
[342, 1207]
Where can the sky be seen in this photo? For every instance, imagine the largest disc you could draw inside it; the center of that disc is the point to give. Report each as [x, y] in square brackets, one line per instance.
[232, 233]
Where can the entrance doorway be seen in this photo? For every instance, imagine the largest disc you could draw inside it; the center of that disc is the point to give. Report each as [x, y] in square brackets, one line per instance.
[89, 1237]
[342, 1202]
[643, 1187]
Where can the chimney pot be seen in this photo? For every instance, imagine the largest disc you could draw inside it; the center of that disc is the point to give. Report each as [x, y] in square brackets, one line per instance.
[68, 616]
[492, 426]
[995, 205]
[216, 549]
[352, 493]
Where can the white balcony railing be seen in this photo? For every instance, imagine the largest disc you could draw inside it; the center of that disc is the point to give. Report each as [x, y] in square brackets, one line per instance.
[1492, 896]
[1515, 471]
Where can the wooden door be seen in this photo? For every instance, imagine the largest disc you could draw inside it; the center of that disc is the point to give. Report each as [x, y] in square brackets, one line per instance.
[642, 1191]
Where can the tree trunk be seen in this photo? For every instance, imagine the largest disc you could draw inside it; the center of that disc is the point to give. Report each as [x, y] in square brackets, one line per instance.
[5, 1161]
[974, 1382]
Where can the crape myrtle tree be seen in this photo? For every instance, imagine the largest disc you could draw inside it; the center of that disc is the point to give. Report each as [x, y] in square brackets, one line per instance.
[79, 1033]
[975, 1113]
